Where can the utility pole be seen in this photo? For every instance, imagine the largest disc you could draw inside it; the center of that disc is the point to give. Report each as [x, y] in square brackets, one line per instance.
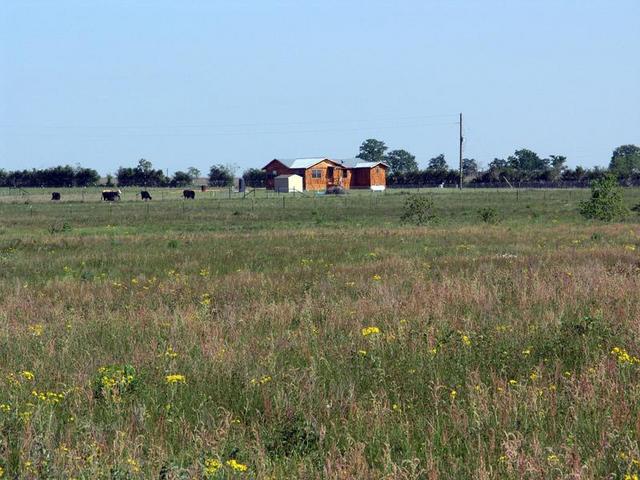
[460, 151]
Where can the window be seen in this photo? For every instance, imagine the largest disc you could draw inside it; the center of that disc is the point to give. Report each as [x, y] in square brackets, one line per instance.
[344, 173]
[316, 173]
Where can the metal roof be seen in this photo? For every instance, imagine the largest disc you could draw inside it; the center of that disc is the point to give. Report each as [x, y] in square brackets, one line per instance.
[309, 162]
[359, 163]
[301, 162]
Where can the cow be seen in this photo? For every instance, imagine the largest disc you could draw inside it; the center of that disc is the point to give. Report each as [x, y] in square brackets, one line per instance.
[55, 196]
[189, 194]
[144, 195]
[111, 195]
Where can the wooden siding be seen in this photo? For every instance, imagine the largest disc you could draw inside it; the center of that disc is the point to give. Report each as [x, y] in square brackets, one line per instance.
[326, 179]
[355, 177]
[280, 169]
[367, 177]
[378, 176]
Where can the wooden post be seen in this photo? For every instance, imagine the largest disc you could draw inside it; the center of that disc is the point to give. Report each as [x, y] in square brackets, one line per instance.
[460, 152]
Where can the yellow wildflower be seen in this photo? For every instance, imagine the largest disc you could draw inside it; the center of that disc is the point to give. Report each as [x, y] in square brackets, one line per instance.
[376, 277]
[370, 331]
[238, 467]
[262, 380]
[36, 330]
[175, 378]
[466, 340]
[362, 352]
[453, 394]
[211, 466]
[170, 352]
[135, 467]
[27, 375]
[5, 407]
[204, 272]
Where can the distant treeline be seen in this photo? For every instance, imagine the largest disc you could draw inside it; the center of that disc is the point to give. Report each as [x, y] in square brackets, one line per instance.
[64, 176]
[524, 166]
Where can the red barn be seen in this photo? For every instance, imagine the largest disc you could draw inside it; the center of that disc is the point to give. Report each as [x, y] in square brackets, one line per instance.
[320, 173]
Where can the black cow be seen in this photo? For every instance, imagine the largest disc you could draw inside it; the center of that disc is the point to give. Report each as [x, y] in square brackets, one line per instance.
[145, 195]
[189, 194]
[111, 195]
[55, 196]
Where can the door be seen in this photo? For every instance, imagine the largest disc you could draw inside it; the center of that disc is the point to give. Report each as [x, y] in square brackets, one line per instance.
[329, 175]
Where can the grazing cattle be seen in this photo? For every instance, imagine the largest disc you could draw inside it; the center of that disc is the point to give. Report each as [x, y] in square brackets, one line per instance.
[145, 195]
[189, 194]
[55, 196]
[111, 195]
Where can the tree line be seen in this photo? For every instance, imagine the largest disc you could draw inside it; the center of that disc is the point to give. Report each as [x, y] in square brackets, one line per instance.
[523, 165]
[61, 176]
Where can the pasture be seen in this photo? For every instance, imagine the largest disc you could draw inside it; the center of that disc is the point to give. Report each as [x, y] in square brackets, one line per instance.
[317, 337]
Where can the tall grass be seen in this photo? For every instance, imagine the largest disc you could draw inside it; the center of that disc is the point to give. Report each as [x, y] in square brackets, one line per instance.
[240, 336]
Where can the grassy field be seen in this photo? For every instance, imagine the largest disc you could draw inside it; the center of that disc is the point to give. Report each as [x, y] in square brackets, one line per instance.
[317, 337]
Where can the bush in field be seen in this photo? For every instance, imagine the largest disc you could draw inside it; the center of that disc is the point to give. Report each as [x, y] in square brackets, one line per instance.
[605, 202]
[113, 381]
[489, 215]
[418, 209]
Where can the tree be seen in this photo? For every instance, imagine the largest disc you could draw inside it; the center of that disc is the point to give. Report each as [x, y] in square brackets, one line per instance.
[526, 164]
[193, 172]
[181, 179]
[372, 150]
[255, 177]
[558, 166]
[85, 177]
[605, 202]
[142, 175]
[401, 162]
[438, 164]
[144, 165]
[220, 176]
[625, 161]
[469, 167]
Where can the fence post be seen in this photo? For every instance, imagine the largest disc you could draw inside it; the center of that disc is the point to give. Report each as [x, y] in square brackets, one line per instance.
[283, 199]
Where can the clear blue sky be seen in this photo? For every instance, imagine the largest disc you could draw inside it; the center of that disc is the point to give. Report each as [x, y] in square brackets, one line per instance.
[193, 83]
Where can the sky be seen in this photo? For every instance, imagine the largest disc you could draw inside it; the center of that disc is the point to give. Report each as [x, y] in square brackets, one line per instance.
[196, 83]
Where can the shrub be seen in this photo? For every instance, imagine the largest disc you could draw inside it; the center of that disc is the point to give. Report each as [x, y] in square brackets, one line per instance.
[113, 381]
[488, 215]
[418, 209]
[605, 202]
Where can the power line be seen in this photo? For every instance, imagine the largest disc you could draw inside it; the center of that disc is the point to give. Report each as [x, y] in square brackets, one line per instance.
[228, 133]
[229, 125]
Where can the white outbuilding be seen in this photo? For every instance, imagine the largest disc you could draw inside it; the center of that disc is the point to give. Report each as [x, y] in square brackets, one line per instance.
[288, 183]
